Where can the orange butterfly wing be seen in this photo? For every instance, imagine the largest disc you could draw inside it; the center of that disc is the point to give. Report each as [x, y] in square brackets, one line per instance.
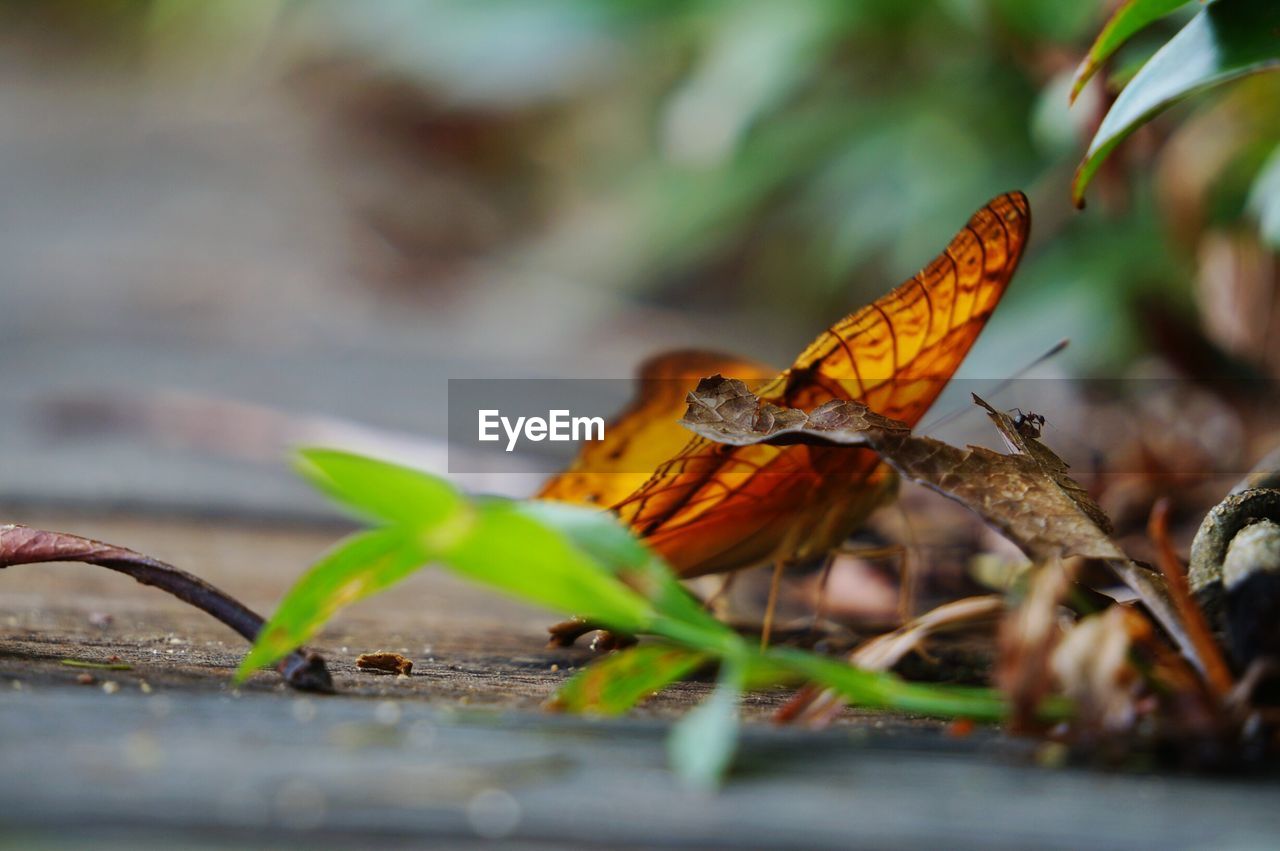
[647, 431]
[712, 508]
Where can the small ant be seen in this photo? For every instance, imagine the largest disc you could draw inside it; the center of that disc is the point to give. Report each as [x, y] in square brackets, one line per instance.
[1029, 424]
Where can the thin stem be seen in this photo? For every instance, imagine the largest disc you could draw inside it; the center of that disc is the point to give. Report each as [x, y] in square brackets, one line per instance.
[302, 669]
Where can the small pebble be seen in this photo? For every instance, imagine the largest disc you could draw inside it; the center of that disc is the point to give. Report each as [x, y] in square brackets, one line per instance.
[110, 687]
[86, 679]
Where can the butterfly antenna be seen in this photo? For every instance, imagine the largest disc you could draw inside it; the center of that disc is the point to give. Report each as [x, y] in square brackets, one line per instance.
[998, 387]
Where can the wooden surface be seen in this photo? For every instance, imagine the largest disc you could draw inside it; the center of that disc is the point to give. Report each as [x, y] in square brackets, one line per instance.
[460, 751]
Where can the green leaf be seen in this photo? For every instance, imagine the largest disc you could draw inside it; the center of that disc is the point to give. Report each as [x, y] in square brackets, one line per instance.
[489, 541]
[703, 742]
[601, 536]
[1129, 18]
[510, 550]
[878, 690]
[379, 490]
[1227, 40]
[1264, 199]
[621, 680]
[597, 533]
[360, 565]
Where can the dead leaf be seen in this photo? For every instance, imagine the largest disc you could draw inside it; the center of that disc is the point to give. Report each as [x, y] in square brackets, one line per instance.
[1028, 638]
[386, 662]
[1093, 666]
[1028, 496]
[819, 707]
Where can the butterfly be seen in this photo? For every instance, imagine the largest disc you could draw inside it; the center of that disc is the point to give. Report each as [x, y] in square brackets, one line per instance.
[710, 508]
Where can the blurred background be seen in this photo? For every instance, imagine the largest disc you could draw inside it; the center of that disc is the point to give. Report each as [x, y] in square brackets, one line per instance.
[318, 212]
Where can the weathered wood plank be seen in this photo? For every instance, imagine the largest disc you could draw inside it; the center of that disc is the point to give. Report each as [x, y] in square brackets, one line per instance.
[459, 750]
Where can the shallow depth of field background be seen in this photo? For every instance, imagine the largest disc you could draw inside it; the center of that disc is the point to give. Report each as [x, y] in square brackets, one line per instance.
[330, 208]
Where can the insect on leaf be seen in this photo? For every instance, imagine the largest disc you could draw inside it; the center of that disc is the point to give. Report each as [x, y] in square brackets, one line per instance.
[1028, 496]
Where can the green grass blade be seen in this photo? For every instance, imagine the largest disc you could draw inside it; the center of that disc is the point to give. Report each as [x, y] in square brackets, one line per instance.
[703, 742]
[601, 536]
[360, 565]
[621, 680]
[379, 490]
[1227, 40]
[879, 690]
[514, 552]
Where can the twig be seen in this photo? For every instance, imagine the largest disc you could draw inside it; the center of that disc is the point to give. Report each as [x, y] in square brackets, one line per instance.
[302, 669]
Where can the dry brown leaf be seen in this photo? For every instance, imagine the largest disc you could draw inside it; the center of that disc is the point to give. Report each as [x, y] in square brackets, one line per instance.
[1093, 665]
[819, 707]
[884, 651]
[1028, 495]
[1028, 638]
[385, 662]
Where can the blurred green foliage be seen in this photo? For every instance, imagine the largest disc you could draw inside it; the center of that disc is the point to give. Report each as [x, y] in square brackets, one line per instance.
[794, 157]
[801, 156]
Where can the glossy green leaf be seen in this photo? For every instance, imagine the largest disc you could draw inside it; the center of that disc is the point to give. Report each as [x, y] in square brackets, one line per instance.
[703, 742]
[1129, 18]
[1227, 40]
[621, 680]
[379, 490]
[1264, 199]
[362, 564]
